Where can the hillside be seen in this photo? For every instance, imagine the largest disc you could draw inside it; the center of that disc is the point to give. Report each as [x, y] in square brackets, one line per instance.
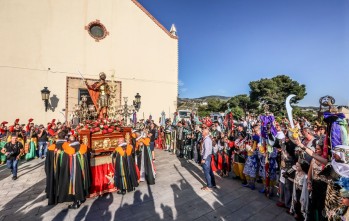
[205, 98]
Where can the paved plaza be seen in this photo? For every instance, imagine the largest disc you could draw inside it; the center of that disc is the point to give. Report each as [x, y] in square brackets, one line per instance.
[175, 196]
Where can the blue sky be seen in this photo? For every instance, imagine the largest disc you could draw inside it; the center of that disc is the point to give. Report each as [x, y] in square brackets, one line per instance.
[225, 44]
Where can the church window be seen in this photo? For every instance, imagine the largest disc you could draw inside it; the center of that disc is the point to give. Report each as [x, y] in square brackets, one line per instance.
[97, 30]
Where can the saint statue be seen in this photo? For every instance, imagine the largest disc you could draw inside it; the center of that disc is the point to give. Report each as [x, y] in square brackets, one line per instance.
[99, 93]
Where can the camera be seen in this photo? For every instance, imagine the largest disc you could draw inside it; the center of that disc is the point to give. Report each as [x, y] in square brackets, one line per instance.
[290, 173]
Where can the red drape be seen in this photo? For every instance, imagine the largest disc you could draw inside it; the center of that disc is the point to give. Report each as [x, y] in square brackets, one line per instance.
[102, 174]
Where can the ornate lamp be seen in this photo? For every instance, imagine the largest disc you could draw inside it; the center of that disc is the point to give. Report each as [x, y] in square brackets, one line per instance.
[137, 102]
[45, 95]
[84, 111]
[125, 110]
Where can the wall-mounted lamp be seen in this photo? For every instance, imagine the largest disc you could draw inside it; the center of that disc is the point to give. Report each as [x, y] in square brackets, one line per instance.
[137, 102]
[45, 95]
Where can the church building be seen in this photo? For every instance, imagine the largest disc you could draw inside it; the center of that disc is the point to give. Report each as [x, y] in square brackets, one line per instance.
[55, 44]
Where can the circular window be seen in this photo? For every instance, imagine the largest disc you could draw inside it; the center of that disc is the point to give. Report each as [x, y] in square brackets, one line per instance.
[97, 30]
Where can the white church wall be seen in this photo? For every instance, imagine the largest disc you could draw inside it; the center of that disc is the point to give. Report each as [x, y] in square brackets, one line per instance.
[43, 42]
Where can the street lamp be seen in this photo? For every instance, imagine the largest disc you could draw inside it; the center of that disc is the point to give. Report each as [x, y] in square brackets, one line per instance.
[45, 95]
[137, 102]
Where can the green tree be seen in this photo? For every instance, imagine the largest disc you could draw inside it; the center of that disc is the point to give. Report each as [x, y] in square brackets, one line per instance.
[244, 102]
[309, 115]
[274, 92]
[214, 105]
[203, 112]
[238, 112]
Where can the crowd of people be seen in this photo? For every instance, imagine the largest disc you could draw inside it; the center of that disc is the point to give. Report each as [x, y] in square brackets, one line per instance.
[25, 141]
[67, 161]
[304, 164]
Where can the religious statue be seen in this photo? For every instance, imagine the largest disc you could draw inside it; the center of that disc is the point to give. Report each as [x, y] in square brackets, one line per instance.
[99, 93]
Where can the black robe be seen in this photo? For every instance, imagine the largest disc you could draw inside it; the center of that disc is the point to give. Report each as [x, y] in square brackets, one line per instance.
[64, 178]
[59, 179]
[148, 167]
[52, 173]
[132, 171]
[82, 174]
[121, 176]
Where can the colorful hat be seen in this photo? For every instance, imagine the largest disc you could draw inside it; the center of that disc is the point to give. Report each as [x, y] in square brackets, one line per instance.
[341, 167]
[342, 151]
[344, 183]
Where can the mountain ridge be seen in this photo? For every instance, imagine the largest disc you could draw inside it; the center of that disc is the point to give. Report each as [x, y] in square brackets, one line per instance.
[207, 97]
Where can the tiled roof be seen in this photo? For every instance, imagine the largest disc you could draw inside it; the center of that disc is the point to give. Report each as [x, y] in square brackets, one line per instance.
[154, 19]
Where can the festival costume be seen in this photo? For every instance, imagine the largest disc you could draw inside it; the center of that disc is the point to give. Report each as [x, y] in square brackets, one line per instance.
[269, 165]
[162, 143]
[268, 154]
[319, 188]
[287, 161]
[168, 131]
[223, 158]
[337, 128]
[261, 153]
[228, 121]
[250, 169]
[3, 141]
[52, 171]
[336, 173]
[197, 145]
[173, 139]
[121, 176]
[180, 141]
[144, 161]
[300, 196]
[31, 145]
[239, 157]
[133, 171]
[188, 148]
[68, 173]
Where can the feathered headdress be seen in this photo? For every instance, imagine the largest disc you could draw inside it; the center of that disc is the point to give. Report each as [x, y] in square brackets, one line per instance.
[344, 183]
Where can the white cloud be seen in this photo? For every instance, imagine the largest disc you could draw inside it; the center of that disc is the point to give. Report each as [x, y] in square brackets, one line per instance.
[182, 90]
[181, 87]
[180, 83]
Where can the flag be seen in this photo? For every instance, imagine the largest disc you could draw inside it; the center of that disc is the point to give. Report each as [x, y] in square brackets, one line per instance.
[134, 118]
[163, 119]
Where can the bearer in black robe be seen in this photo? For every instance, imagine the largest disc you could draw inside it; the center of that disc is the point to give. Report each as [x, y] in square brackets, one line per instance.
[52, 169]
[74, 174]
[144, 160]
[133, 171]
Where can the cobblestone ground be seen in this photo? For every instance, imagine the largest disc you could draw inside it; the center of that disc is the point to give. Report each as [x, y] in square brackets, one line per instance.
[175, 196]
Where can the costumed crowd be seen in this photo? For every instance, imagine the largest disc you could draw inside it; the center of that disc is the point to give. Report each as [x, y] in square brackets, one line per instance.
[68, 161]
[305, 165]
